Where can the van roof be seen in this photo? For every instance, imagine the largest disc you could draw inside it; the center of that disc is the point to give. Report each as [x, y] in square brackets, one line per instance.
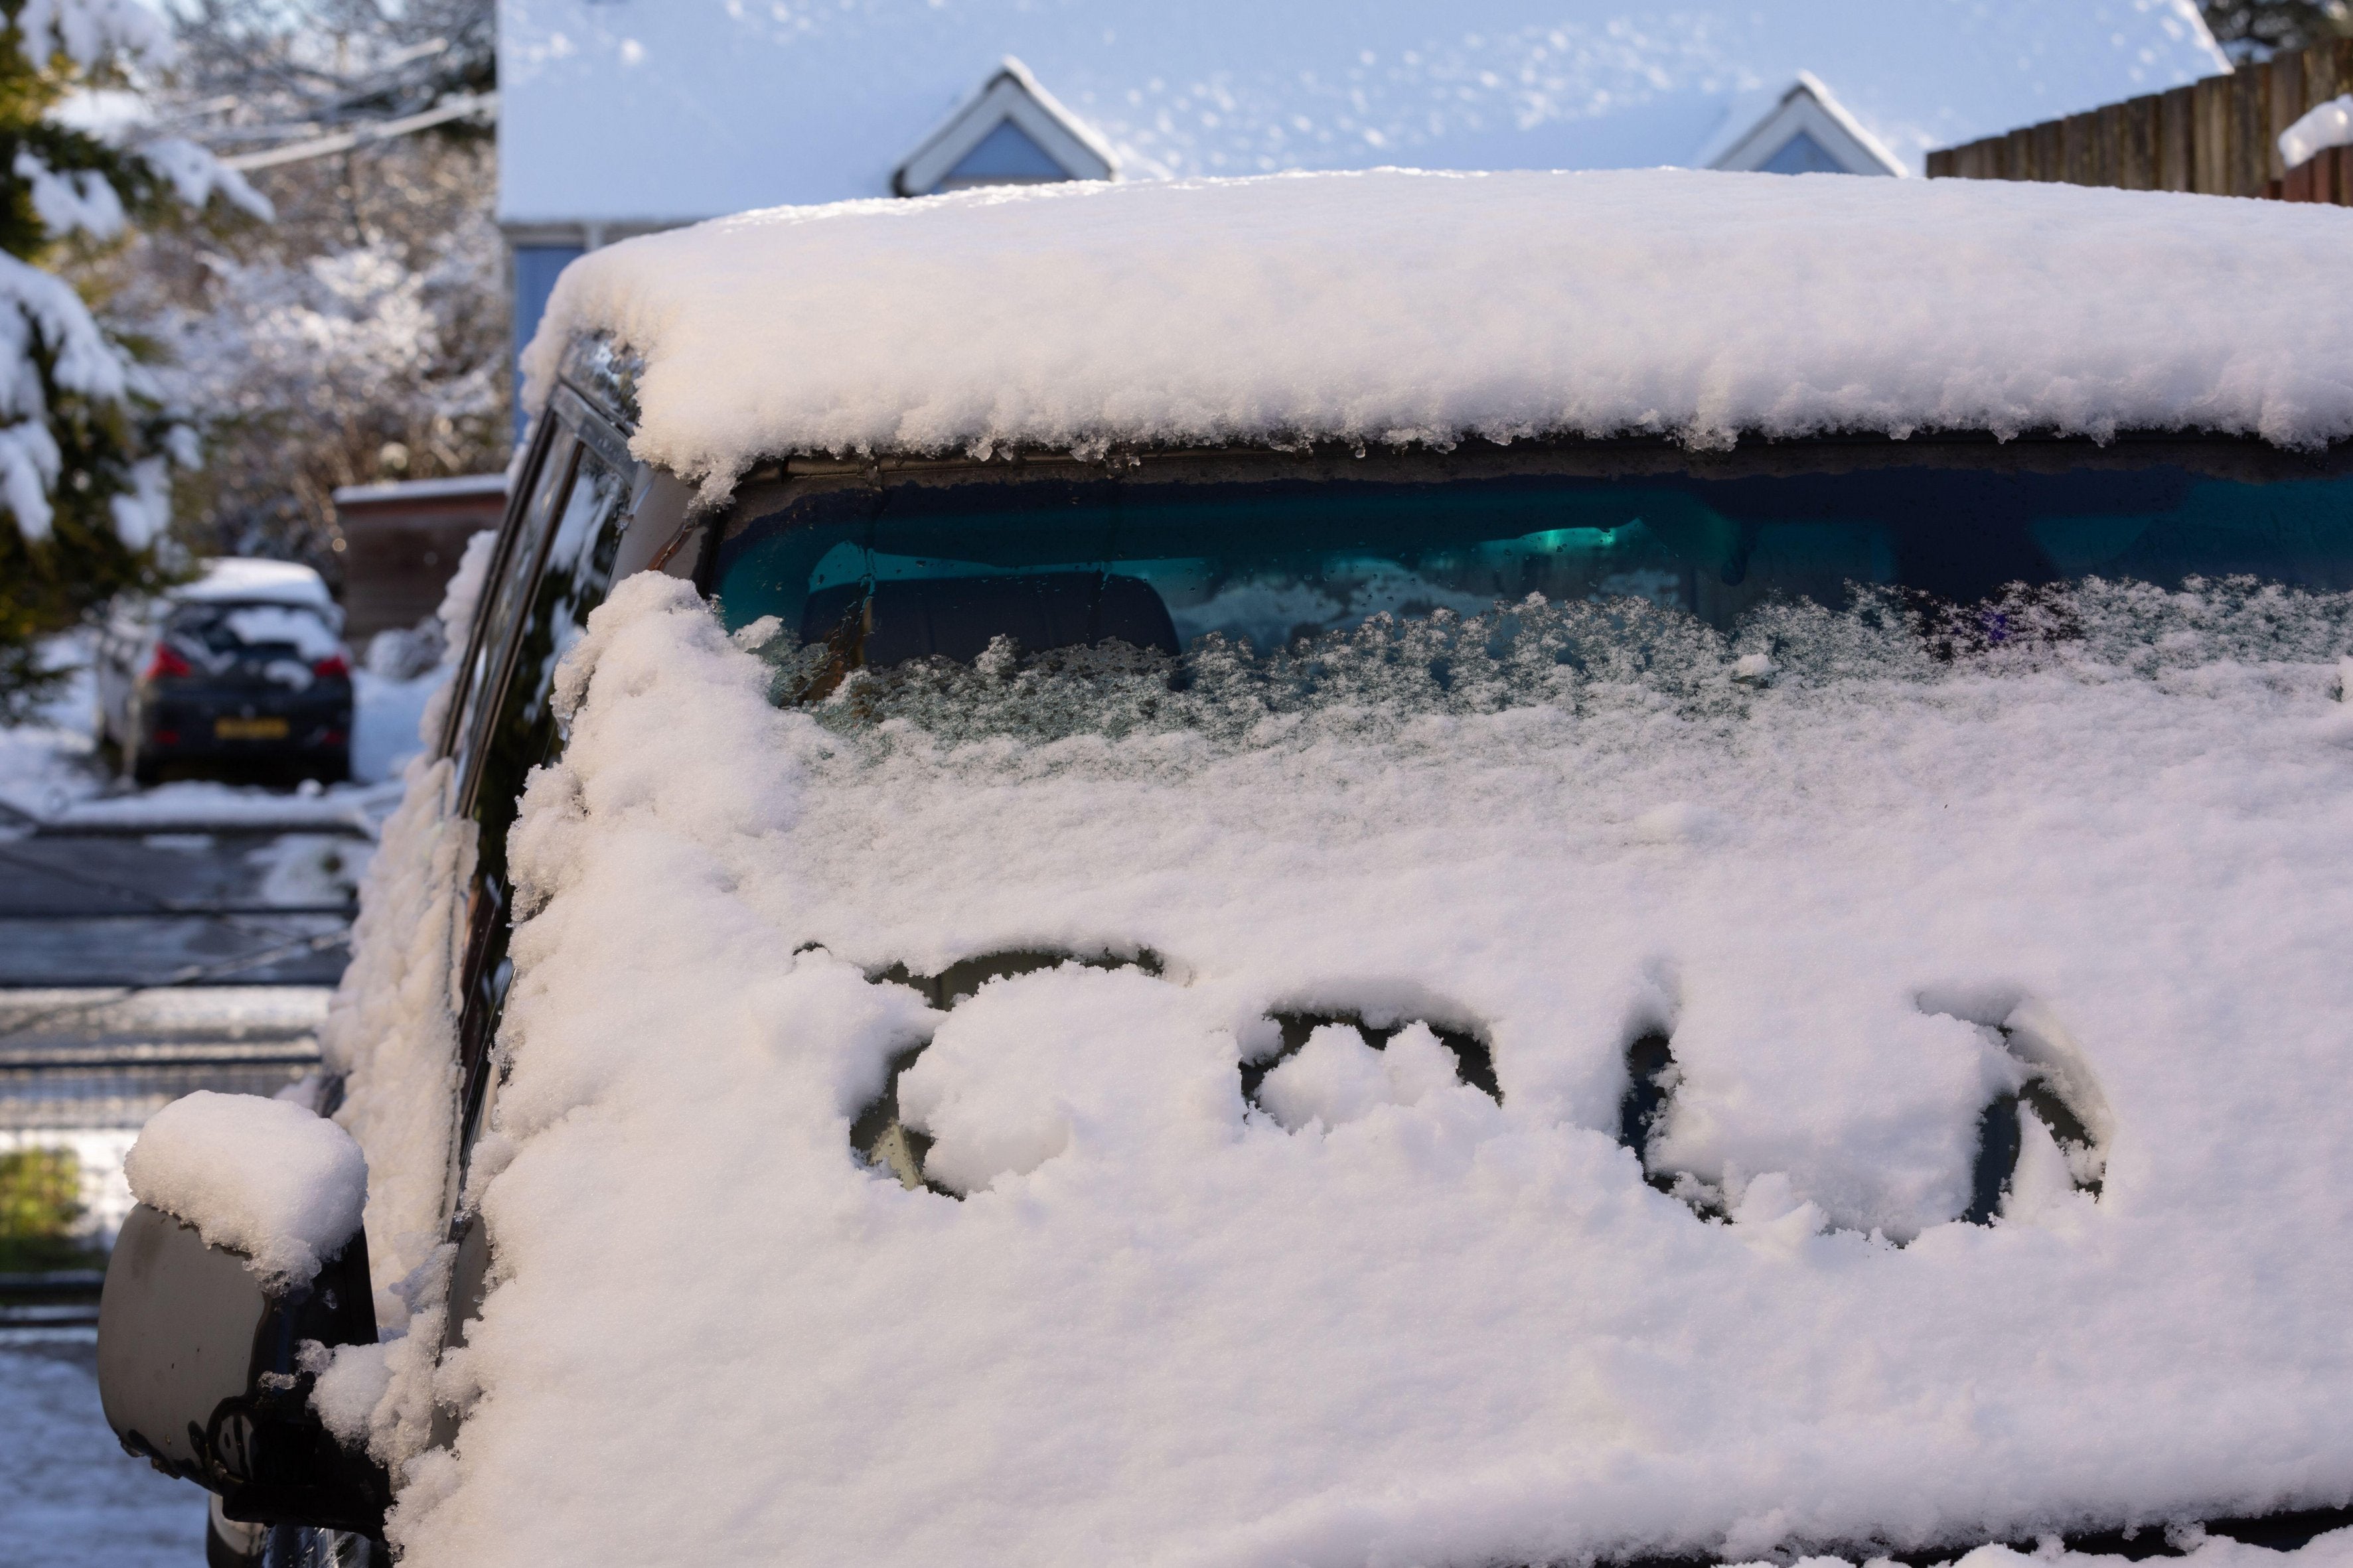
[1398, 307]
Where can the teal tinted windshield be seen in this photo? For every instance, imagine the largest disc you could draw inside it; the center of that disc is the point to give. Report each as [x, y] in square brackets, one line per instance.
[888, 571]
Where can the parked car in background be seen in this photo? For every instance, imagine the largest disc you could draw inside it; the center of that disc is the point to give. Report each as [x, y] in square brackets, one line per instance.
[1372, 869]
[243, 669]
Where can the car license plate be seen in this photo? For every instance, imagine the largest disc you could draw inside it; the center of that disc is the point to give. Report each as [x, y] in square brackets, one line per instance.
[248, 729]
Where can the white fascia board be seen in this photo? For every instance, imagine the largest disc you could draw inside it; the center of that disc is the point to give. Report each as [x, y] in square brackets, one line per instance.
[1096, 148]
[1809, 106]
[1012, 94]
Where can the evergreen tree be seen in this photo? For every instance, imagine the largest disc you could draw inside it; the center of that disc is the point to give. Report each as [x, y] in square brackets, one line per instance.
[87, 445]
[2255, 29]
[41, 1210]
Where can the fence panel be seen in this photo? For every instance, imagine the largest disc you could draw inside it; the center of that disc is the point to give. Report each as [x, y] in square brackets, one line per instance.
[2217, 137]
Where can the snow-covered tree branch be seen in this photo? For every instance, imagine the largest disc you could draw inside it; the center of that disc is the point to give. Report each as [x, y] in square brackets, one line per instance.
[363, 335]
[87, 436]
[261, 75]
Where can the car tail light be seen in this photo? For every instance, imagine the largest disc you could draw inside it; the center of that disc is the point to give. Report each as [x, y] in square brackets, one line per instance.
[334, 667]
[332, 738]
[168, 663]
[167, 737]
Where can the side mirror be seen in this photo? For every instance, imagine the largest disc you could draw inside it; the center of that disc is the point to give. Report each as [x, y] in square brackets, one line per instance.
[199, 1344]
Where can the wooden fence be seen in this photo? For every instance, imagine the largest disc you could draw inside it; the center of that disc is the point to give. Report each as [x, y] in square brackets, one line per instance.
[2218, 137]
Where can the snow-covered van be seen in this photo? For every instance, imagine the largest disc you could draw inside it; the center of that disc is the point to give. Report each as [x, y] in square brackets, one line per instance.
[1372, 869]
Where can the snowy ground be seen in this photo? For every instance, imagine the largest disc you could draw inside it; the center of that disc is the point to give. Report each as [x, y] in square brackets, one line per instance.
[69, 1494]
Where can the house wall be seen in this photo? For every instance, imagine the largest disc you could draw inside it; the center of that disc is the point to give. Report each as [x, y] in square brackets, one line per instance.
[536, 268]
[399, 552]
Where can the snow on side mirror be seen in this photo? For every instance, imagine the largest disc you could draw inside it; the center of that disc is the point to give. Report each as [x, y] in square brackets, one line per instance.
[246, 1243]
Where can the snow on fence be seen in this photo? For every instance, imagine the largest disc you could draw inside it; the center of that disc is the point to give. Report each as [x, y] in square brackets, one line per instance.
[2216, 137]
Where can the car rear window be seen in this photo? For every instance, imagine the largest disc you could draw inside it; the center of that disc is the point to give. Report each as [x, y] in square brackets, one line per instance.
[238, 631]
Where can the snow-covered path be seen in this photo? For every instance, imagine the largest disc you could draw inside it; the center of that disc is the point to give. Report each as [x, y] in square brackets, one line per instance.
[68, 1492]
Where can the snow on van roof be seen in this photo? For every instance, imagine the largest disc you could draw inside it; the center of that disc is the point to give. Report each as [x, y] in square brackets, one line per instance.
[1399, 307]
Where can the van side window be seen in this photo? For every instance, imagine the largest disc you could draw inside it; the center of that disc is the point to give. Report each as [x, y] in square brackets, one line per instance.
[519, 731]
[501, 596]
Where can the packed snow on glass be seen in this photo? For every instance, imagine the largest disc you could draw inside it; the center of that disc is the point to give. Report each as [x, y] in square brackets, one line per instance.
[1373, 1311]
[394, 1010]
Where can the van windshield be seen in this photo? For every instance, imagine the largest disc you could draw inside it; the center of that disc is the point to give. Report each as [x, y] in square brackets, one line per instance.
[913, 567]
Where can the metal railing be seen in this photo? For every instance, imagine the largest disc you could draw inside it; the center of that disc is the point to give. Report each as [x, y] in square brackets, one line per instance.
[106, 1059]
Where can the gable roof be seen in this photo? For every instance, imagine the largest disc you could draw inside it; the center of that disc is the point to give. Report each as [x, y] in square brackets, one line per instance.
[1805, 117]
[655, 112]
[1011, 132]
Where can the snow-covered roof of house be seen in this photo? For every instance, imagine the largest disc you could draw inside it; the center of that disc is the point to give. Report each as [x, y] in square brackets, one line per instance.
[636, 112]
[1801, 130]
[1392, 306]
